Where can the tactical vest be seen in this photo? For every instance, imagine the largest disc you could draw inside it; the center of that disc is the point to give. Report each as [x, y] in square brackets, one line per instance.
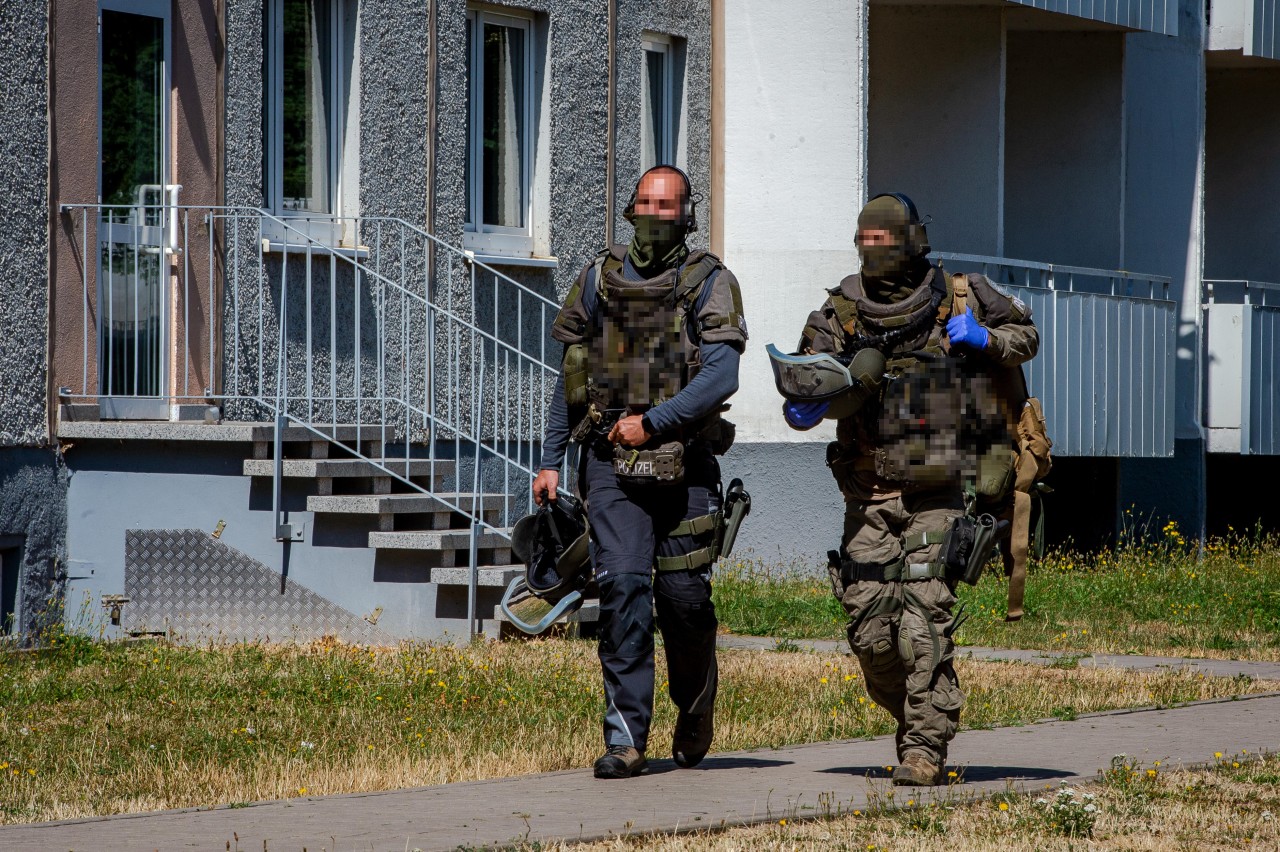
[644, 348]
[936, 414]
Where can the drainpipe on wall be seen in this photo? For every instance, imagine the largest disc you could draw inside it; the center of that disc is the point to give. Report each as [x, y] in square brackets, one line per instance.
[610, 130]
[430, 211]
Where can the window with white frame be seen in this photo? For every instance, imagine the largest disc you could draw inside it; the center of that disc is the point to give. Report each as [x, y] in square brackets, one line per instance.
[308, 54]
[502, 55]
[661, 93]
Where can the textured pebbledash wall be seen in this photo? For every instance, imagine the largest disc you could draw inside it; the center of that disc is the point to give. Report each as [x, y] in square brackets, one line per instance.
[24, 230]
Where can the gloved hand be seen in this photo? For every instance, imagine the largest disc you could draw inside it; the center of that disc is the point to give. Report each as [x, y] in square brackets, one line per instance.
[967, 330]
[804, 415]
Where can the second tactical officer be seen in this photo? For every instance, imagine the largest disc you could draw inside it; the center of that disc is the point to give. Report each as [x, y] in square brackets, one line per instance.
[922, 434]
[653, 334]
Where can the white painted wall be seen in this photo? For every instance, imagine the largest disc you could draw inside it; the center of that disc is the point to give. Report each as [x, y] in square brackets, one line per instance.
[1242, 175]
[793, 178]
[935, 118]
[1063, 142]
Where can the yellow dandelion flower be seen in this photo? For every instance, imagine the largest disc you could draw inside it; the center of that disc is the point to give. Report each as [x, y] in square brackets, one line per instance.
[782, 822]
[1004, 806]
[1218, 755]
[302, 791]
[822, 680]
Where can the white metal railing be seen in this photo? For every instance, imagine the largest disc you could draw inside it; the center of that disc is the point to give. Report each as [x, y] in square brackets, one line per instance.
[1056, 276]
[396, 341]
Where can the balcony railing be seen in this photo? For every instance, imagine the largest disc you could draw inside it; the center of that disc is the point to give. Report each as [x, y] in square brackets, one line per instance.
[430, 354]
[1241, 353]
[1105, 370]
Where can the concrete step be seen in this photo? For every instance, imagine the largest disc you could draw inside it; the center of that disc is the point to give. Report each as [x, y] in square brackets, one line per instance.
[488, 575]
[401, 504]
[347, 468]
[437, 540]
[248, 432]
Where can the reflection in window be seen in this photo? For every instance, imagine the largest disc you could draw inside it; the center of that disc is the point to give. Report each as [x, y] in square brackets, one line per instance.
[306, 104]
[659, 108]
[305, 49]
[499, 117]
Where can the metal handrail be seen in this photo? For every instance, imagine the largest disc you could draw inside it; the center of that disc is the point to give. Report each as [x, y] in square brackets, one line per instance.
[410, 353]
[1247, 287]
[1056, 276]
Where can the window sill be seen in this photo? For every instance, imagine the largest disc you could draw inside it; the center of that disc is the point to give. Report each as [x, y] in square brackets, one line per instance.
[278, 247]
[513, 260]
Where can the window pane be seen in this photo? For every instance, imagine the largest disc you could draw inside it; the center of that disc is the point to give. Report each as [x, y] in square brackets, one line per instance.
[307, 77]
[466, 161]
[653, 110]
[132, 99]
[504, 109]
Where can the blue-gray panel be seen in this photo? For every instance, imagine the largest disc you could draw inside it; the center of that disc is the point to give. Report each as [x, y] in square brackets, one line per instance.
[1157, 16]
[1104, 372]
[1263, 354]
[1263, 26]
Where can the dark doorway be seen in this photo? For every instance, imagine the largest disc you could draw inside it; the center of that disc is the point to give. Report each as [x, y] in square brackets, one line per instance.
[11, 550]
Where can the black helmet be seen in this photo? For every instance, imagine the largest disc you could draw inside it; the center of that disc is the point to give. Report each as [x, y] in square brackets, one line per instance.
[553, 544]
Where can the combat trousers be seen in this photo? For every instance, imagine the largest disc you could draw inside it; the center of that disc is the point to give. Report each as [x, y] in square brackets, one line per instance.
[628, 530]
[900, 632]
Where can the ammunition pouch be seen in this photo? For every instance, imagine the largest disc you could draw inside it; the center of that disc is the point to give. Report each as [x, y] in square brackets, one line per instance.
[996, 473]
[723, 525]
[574, 370]
[663, 465]
[968, 545]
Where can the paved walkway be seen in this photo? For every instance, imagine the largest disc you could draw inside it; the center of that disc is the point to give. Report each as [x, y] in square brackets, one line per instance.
[1214, 668]
[727, 789]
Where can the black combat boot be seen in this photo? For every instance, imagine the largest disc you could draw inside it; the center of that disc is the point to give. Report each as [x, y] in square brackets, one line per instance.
[692, 738]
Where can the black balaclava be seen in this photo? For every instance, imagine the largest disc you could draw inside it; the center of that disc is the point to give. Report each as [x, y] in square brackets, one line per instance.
[889, 272]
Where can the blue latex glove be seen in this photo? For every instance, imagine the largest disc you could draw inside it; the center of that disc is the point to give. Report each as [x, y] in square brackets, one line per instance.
[804, 415]
[965, 329]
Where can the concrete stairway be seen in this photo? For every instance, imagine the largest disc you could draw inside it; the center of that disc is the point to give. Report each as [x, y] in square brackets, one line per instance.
[346, 492]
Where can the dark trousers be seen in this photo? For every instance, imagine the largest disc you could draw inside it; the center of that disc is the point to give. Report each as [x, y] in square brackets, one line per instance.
[629, 527]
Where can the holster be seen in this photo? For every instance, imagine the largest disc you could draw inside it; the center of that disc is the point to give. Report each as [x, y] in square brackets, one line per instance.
[663, 465]
[968, 545]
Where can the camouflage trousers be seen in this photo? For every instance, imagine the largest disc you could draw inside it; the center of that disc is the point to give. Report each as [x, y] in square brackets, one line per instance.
[900, 632]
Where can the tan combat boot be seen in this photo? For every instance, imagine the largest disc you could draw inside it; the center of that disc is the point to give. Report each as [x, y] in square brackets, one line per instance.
[917, 770]
[620, 761]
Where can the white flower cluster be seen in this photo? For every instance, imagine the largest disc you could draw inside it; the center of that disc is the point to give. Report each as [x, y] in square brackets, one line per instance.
[1070, 812]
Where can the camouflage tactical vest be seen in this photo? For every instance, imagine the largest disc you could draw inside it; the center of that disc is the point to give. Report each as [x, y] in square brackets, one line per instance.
[937, 412]
[643, 349]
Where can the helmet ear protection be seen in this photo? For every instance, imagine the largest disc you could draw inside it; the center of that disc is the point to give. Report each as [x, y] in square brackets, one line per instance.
[917, 239]
[688, 210]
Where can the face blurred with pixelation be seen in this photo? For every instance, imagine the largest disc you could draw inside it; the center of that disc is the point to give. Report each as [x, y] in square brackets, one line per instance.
[660, 194]
[875, 237]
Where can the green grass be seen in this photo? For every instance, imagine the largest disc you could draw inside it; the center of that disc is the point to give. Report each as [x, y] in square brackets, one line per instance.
[1150, 598]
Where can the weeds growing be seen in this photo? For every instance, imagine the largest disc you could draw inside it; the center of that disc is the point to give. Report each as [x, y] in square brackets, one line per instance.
[1146, 597]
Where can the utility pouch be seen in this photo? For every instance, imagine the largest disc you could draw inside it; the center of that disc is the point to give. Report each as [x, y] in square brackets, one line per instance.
[661, 466]
[1034, 438]
[836, 574]
[840, 460]
[575, 374]
[968, 545]
[719, 436]
[996, 470]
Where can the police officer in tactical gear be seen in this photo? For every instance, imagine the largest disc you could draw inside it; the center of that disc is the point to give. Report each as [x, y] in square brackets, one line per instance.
[653, 334]
[916, 445]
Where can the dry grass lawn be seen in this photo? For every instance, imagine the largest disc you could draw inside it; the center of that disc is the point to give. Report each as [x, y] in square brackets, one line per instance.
[95, 728]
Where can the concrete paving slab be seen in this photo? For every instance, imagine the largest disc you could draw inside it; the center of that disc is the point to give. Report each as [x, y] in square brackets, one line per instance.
[726, 789]
[1214, 668]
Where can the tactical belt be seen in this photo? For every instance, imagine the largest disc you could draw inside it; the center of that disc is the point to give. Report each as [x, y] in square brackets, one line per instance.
[702, 556]
[901, 570]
